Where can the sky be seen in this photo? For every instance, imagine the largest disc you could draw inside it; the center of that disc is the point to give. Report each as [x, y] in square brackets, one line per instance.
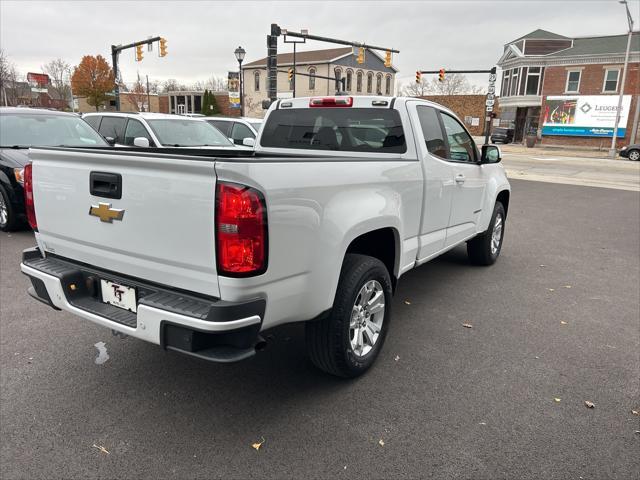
[202, 35]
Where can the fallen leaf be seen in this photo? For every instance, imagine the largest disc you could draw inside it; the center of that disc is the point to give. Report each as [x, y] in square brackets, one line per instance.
[567, 286]
[257, 445]
[537, 357]
[557, 400]
[562, 322]
[397, 358]
[482, 423]
[589, 404]
[635, 412]
[551, 289]
[407, 302]
[381, 443]
[467, 325]
[543, 265]
[101, 448]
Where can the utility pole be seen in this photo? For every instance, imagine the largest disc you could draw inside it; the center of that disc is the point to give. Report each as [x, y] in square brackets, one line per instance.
[148, 97]
[612, 150]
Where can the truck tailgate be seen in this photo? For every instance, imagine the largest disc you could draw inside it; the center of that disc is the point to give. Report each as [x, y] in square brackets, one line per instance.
[166, 231]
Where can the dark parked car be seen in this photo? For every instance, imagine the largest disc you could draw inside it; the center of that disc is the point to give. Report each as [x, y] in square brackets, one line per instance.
[502, 135]
[632, 152]
[21, 128]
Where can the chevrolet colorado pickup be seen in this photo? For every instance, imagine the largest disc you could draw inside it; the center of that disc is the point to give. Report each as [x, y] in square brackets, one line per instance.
[200, 252]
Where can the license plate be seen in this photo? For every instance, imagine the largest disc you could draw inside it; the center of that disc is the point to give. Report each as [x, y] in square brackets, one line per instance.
[119, 295]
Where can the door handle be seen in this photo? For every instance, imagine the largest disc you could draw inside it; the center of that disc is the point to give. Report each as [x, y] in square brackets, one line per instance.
[460, 178]
[106, 185]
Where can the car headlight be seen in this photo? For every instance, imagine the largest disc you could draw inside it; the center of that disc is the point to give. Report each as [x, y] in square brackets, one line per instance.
[19, 174]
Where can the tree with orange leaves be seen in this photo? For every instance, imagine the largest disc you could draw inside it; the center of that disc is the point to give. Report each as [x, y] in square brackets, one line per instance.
[93, 79]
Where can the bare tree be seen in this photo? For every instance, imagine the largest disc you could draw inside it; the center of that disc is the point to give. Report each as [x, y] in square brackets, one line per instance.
[137, 95]
[59, 73]
[216, 84]
[172, 85]
[14, 88]
[453, 84]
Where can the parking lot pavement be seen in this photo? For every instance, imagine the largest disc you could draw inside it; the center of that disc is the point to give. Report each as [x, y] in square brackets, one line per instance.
[555, 323]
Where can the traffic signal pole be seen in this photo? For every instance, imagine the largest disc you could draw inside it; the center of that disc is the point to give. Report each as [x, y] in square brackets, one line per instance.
[115, 52]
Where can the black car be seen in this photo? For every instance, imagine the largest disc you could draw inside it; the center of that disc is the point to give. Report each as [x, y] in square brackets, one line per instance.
[632, 152]
[21, 128]
[502, 135]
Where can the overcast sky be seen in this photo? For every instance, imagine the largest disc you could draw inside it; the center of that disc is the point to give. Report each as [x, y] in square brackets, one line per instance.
[203, 35]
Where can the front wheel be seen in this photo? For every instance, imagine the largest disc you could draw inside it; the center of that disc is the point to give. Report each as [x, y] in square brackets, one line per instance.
[634, 155]
[484, 249]
[348, 341]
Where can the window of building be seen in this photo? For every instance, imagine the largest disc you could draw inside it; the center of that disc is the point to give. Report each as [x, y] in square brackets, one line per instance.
[573, 81]
[514, 82]
[533, 81]
[379, 84]
[312, 79]
[349, 80]
[369, 82]
[338, 76]
[359, 82]
[506, 77]
[387, 86]
[611, 76]
[256, 81]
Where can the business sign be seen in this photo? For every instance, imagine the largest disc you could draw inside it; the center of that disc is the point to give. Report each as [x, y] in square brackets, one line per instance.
[585, 115]
[233, 85]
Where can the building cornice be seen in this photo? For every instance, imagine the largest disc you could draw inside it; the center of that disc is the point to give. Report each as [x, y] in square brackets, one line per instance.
[542, 61]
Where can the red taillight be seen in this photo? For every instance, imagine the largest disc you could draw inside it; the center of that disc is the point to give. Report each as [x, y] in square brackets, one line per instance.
[331, 102]
[241, 230]
[28, 197]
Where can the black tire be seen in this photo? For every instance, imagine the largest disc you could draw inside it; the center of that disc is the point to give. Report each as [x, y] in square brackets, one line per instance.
[633, 153]
[328, 339]
[11, 222]
[479, 248]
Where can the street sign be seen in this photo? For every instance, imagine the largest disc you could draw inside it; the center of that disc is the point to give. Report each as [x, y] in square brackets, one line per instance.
[489, 103]
[490, 96]
[491, 89]
[489, 109]
[492, 77]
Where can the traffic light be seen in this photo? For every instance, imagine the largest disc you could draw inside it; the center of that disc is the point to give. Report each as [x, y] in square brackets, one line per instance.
[387, 59]
[163, 47]
[290, 73]
[360, 58]
[139, 55]
[418, 77]
[441, 75]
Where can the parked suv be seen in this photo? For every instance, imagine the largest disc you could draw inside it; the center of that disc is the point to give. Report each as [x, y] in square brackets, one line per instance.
[236, 129]
[22, 128]
[502, 135]
[156, 130]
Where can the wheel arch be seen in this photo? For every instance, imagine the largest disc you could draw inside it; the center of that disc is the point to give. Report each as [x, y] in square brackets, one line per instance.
[381, 243]
[503, 197]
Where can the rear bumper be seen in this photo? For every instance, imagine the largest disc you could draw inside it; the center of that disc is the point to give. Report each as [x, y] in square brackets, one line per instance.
[207, 328]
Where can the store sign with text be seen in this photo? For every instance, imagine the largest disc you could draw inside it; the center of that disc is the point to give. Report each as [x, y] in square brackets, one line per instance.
[233, 85]
[584, 115]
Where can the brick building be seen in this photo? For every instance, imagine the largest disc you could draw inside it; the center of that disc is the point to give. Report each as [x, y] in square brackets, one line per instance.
[128, 103]
[369, 78]
[469, 108]
[191, 102]
[565, 90]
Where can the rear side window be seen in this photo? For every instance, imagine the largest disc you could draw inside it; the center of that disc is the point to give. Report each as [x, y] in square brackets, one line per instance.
[342, 129]
[113, 127]
[222, 126]
[94, 121]
[432, 131]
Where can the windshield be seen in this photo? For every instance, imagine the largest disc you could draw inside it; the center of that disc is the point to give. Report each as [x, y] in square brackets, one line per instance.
[42, 130]
[344, 129]
[176, 132]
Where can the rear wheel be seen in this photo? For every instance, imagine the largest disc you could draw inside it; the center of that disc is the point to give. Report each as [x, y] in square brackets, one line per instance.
[348, 341]
[484, 249]
[634, 155]
[8, 221]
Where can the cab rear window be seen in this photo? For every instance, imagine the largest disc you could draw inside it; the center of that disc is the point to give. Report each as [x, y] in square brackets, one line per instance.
[341, 129]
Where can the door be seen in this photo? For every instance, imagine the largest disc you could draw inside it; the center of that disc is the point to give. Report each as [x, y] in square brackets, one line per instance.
[470, 181]
[113, 127]
[134, 130]
[438, 183]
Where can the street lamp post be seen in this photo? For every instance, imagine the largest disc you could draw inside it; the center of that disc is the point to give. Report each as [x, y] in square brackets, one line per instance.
[240, 53]
[612, 150]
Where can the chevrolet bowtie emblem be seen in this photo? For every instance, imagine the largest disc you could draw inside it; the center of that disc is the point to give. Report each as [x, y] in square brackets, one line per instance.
[106, 213]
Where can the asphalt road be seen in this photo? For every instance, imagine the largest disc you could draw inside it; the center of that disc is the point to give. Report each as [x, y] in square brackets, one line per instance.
[447, 401]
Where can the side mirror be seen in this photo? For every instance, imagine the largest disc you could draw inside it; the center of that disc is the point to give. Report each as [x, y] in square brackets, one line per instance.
[249, 142]
[490, 154]
[110, 140]
[141, 142]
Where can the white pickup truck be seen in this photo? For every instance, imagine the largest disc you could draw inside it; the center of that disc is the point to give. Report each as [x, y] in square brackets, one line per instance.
[200, 252]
